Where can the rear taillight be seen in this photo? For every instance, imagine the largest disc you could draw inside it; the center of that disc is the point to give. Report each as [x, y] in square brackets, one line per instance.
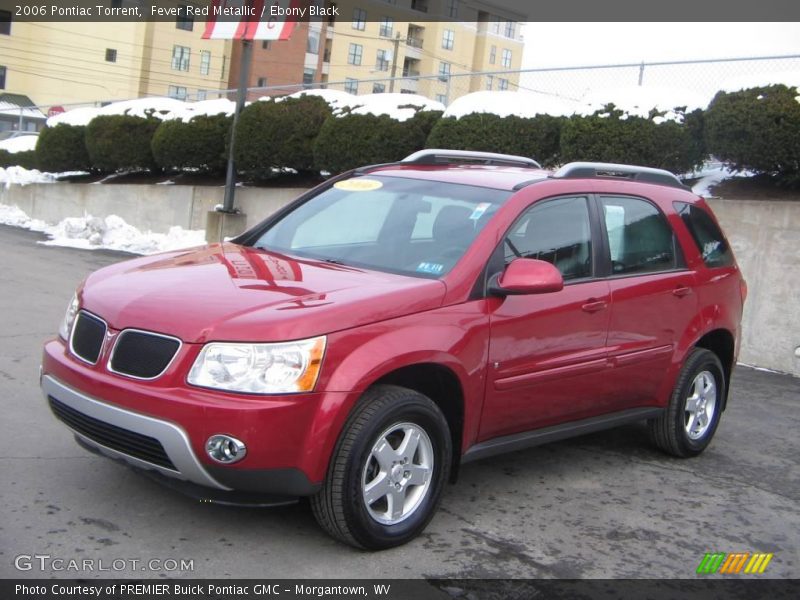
[743, 289]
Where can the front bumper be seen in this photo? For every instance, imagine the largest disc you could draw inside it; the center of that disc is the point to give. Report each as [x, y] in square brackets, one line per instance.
[161, 426]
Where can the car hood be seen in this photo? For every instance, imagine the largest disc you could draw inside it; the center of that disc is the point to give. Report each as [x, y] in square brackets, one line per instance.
[235, 293]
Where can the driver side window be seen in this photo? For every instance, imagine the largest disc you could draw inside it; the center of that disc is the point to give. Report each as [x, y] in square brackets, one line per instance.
[557, 231]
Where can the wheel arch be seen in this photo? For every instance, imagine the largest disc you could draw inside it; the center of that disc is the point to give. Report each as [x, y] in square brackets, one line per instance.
[722, 343]
[441, 384]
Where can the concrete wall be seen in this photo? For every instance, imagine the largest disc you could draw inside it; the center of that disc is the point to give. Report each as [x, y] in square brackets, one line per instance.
[765, 235]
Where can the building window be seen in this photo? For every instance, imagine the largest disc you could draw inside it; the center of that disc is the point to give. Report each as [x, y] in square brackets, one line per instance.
[262, 82]
[452, 9]
[502, 84]
[441, 98]
[266, 44]
[387, 25]
[184, 20]
[2, 78]
[180, 58]
[111, 55]
[312, 43]
[495, 27]
[492, 55]
[308, 75]
[489, 82]
[420, 5]
[177, 91]
[351, 85]
[448, 37]
[5, 22]
[444, 71]
[506, 60]
[510, 29]
[378, 88]
[382, 61]
[354, 54]
[205, 62]
[202, 95]
[359, 19]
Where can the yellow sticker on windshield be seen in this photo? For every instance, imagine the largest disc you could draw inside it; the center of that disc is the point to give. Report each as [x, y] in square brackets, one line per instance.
[359, 184]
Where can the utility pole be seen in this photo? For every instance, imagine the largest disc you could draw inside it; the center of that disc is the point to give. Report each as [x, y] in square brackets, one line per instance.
[241, 96]
[394, 60]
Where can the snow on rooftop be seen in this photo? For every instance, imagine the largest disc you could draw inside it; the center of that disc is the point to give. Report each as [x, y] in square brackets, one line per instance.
[21, 143]
[507, 103]
[28, 112]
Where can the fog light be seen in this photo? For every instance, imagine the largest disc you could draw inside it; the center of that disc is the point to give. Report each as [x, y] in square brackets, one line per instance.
[225, 449]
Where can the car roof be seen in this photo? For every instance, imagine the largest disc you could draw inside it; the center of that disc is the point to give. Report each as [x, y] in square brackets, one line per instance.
[489, 176]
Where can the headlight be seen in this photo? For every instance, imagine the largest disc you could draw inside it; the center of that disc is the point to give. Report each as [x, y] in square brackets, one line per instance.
[69, 318]
[280, 368]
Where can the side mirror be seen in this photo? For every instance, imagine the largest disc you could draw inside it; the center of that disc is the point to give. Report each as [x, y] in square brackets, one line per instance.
[527, 276]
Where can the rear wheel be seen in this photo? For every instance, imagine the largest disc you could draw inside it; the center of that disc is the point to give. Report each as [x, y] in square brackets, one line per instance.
[387, 473]
[695, 407]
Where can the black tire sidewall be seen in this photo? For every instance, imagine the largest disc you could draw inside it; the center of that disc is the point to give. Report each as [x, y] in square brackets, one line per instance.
[414, 409]
[702, 361]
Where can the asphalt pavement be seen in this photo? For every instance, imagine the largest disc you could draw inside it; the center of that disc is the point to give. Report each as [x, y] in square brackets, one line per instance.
[606, 505]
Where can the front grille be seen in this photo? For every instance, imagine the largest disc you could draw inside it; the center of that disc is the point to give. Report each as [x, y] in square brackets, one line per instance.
[87, 337]
[122, 440]
[142, 354]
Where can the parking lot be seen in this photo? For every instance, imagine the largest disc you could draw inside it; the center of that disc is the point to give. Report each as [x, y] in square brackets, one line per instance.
[605, 505]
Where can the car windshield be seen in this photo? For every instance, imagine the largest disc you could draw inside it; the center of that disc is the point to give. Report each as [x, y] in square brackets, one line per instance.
[409, 226]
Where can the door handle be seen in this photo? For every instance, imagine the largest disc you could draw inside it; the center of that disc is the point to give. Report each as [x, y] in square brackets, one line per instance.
[681, 291]
[593, 305]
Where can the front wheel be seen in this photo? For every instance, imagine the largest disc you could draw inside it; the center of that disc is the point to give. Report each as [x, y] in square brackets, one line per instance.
[695, 407]
[388, 470]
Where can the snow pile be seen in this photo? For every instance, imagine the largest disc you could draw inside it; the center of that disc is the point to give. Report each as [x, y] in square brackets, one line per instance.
[520, 104]
[21, 143]
[161, 108]
[111, 233]
[398, 106]
[19, 176]
[640, 100]
[710, 174]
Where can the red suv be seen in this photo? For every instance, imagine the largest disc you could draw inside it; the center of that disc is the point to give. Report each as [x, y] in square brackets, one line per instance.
[398, 321]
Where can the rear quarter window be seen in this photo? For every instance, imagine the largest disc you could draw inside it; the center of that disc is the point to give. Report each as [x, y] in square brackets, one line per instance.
[706, 234]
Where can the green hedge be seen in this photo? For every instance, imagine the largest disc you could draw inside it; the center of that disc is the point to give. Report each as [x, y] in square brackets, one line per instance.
[63, 148]
[279, 134]
[536, 137]
[757, 129]
[25, 159]
[121, 142]
[199, 144]
[611, 136]
[351, 141]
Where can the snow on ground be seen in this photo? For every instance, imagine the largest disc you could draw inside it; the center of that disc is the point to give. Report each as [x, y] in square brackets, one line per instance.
[17, 175]
[711, 174]
[640, 100]
[506, 103]
[21, 143]
[111, 233]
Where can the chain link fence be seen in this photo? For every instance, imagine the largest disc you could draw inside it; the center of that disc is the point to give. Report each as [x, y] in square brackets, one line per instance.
[701, 78]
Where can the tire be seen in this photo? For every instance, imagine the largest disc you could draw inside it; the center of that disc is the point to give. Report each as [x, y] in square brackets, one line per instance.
[695, 407]
[377, 437]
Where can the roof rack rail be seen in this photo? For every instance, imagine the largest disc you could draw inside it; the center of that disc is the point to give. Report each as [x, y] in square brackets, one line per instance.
[593, 170]
[437, 156]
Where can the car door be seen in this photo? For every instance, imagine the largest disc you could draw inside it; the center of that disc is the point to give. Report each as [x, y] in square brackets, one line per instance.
[653, 298]
[547, 352]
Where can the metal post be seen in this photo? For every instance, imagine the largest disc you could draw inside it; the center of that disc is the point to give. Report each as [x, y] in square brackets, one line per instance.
[641, 73]
[394, 60]
[447, 90]
[241, 96]
[21, 109]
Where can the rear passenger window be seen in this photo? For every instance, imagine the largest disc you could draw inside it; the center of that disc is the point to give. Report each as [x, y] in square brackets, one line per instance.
[706, 235]
[639, 237]
[556, 231]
